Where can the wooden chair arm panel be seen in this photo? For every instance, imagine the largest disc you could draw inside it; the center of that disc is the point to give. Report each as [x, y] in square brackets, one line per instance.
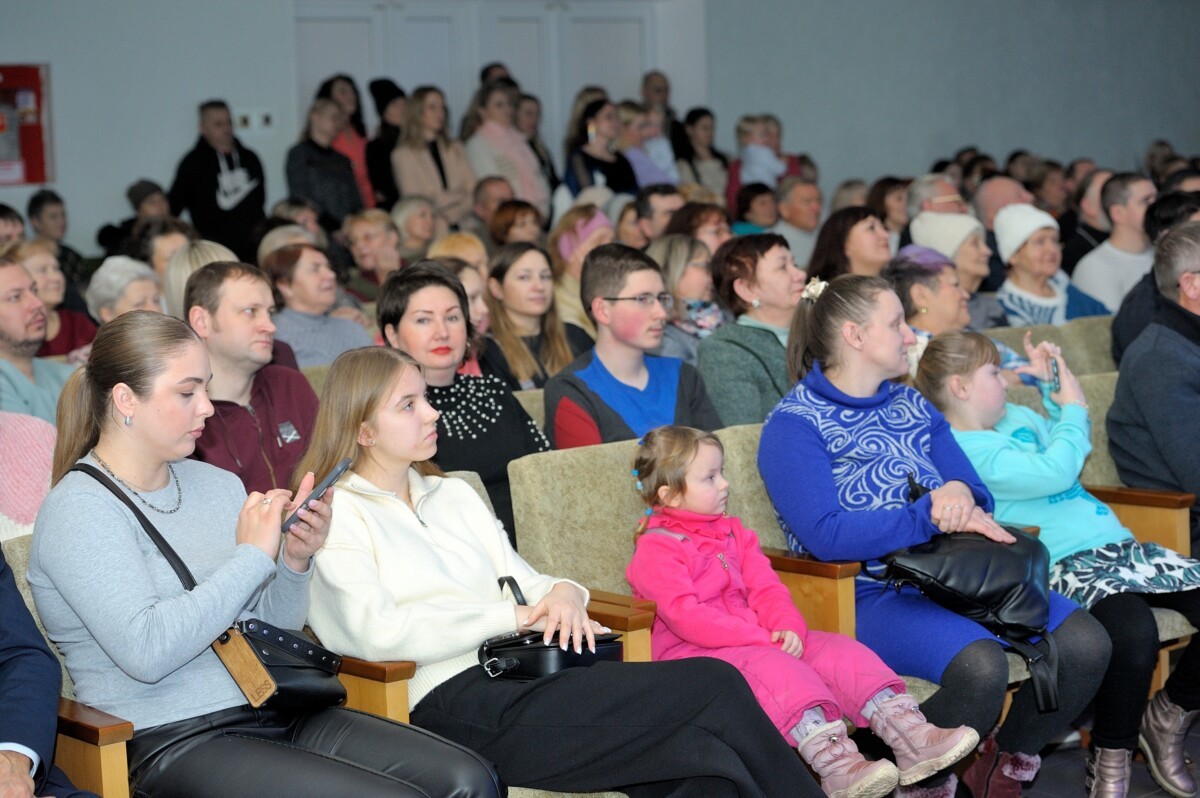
[796, 563]
[385, 672]
[619, 618]
[89, 725]
[1143, 497]
[621, 600]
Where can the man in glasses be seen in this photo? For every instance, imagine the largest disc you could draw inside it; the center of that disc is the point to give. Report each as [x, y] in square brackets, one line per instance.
[617, 391]
[937, 192]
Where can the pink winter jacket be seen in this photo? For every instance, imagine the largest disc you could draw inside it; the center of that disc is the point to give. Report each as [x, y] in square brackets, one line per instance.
[713, 585]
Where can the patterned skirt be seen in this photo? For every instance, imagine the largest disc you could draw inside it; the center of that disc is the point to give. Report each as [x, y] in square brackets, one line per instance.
[1123, 567]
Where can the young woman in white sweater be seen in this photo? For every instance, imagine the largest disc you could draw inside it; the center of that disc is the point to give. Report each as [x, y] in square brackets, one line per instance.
[410, 572]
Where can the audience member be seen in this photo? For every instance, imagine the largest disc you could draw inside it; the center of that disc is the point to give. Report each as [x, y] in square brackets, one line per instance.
[428, 164]
[992, 194]
[30, 681]
[655, 205]
[156, 238]
[47, 214]
[528, 120]
[68, 332]
[961, 238]
[485, 199]
[628, 231]
[1091, 226]
[28, 384]
[850, 193]
[1032, 466]
[494, 146]
[700, 161]
[429, 592]
[120, 285]
[977, 170]
[1158, 388]
[375, 244]
[799, 202]
[263, 414]
[1183, 180]
[755, 209]
[351, 138]
[102, 597]
[303, 213]
[635, 133]
[526, 326]
[1019, 165]
[466, 246]
[888, 198]
[852, 241]
[578, 232]
[583, 98]
[1036, 291]
[1114, 267]
[424, 311]
[937, 192]
[616, 391]
[591, 155]
[318, 173]
[416, 223]
[744, 364]
[391, 105]
[515, 221]
[686, 266]
[12, 226]
[656, 97]
[185, 262]
[220, 183]
[863, 439]
[26, 452]
[148, 199]
[1141, 303]
[1047, 183]
[706, 222]
[494, 71]
[305, 292]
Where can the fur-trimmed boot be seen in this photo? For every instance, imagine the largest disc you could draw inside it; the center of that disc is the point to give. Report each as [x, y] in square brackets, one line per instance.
[921, 748]
[843, 771]
[1000, 775]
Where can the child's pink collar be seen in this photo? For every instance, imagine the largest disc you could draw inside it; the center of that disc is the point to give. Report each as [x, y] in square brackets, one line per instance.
[678, 520]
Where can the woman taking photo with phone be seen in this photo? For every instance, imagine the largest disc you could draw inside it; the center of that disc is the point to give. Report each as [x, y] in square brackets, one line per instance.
[138, 645]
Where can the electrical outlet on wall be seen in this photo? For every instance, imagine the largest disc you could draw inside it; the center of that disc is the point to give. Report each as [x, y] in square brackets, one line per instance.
[255, 120]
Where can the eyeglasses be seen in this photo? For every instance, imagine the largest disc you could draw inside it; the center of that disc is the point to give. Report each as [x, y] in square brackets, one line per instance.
[645, 301]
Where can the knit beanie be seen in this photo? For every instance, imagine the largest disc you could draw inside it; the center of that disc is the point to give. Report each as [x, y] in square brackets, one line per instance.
[141, 191]
[1015, 224]
[383, 91]
[944, 232]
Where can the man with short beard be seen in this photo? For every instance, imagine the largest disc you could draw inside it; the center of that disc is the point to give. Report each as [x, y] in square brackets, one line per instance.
[28, 384]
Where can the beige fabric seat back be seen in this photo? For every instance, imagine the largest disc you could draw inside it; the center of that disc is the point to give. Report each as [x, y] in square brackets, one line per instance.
[1086, 342]
[16, 553]
[1098, 389]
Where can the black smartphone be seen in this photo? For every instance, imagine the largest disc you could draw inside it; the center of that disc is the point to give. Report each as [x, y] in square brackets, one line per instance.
[317, 492]
[1054, 371]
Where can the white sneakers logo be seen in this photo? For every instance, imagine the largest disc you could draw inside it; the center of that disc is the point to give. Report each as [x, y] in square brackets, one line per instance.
[233, 186]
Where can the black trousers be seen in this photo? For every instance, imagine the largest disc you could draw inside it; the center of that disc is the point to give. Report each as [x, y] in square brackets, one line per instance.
[245, 753]
[1123, 694]
[682, 728]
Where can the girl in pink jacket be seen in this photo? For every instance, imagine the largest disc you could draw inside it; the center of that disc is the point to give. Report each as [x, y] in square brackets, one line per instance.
[717, 596]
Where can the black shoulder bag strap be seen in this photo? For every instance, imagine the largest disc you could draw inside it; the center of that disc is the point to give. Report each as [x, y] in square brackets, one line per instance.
[181, 570]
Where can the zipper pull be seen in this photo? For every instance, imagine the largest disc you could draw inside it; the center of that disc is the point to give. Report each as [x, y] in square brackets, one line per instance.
[721, 557]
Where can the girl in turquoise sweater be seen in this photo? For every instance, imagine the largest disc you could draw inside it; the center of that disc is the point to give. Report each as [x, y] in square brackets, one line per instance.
[1031, 465]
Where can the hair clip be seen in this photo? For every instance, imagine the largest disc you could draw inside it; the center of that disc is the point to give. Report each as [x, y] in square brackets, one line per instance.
[638, 484]
[812, 292]
[649, 511]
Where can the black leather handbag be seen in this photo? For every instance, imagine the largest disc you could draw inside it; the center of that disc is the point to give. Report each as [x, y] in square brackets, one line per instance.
[523, 655]
[1003, 587]
[275, 668]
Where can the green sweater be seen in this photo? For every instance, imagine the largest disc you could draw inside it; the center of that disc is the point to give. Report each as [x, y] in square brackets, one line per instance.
[745, 372]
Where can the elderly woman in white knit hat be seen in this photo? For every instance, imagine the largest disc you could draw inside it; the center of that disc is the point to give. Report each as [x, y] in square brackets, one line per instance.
[961, 238]
[1036, 291]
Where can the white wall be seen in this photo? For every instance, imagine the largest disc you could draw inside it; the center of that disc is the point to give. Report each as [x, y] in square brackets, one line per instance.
[882, 86]
[125, 79]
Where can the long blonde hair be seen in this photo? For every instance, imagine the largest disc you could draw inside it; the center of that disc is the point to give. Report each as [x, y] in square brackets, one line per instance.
[525, 364]
[358, 383]
[132, 349]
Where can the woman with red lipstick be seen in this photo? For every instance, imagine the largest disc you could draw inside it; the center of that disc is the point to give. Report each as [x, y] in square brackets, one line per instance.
[525, 322]
[424, 310]
[305, 292]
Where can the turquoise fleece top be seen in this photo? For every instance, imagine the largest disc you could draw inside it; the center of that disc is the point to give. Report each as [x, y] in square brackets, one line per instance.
[1031, 465]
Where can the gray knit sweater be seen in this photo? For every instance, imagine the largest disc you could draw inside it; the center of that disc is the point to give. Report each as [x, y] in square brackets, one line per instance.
[136, 643]
[745, 372]
[318, 340]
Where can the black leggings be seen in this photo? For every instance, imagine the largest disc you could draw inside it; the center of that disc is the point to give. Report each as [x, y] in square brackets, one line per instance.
[680, 728]
[1123, 694]
[244, 753]
[974, 683]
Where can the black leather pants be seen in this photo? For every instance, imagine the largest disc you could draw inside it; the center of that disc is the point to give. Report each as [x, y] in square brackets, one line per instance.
[245, 753]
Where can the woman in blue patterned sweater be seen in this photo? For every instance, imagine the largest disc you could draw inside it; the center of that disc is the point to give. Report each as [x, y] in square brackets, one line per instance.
[836, 456]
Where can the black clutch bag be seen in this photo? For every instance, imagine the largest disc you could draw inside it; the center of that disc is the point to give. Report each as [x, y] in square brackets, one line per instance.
[523, 655]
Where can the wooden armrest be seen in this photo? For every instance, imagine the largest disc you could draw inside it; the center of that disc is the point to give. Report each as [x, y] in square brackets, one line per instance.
[1028, 529]
[798, 563]
[606, 597]
[385, 672]
[1143, 497]
[620, 618]
[88, 725]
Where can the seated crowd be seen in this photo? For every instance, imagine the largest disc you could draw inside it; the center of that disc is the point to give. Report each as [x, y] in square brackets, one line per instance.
[423, 303]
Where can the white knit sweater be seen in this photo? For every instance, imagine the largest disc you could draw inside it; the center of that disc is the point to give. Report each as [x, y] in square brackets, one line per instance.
[393, 585]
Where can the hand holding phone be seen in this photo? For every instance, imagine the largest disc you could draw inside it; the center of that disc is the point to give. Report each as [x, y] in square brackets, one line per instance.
[317, 492]
[1055, 378]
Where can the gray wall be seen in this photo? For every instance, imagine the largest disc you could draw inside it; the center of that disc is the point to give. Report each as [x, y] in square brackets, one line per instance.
[871, 87]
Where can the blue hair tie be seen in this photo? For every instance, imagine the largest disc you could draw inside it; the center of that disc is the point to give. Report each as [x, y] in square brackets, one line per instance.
[649, 511]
